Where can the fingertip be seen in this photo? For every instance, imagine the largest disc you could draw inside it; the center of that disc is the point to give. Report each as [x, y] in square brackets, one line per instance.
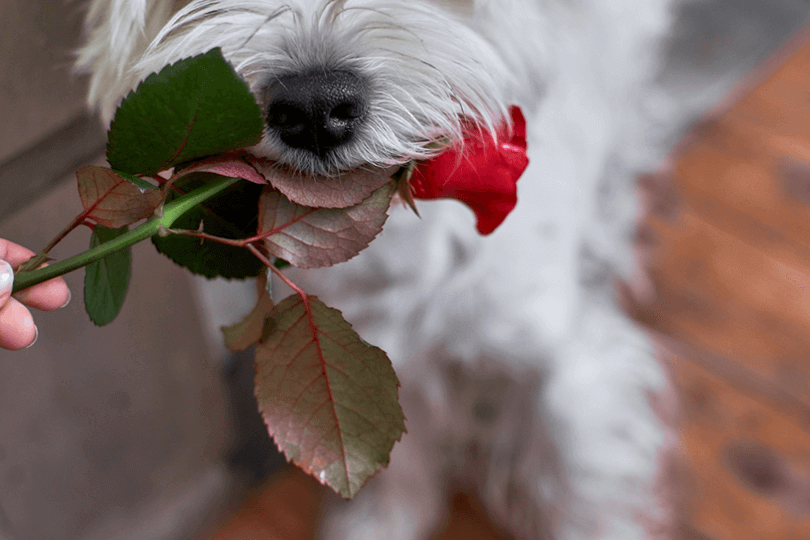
[36, 337]
[69, 296]
[17, 328]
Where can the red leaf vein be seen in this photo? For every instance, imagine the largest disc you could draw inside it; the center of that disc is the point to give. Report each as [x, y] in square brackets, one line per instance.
[315, 331]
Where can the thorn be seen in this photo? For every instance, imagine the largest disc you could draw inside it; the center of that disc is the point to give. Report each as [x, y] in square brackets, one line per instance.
[403, 177]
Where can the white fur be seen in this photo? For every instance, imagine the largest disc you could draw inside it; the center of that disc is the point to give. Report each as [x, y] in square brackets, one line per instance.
[575, 449]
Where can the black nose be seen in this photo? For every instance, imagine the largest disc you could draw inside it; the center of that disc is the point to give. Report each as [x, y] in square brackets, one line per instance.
[317, 111]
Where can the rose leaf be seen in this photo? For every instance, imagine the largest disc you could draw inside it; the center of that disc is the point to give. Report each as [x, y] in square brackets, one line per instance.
[106, 280]
[340, 191]
[309, 237]
[113, 201]
[231, 214]
[249, 330]
[328, 398]
[194, 108]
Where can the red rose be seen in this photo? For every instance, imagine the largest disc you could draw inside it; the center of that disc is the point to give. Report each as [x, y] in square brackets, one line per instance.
[479, 172]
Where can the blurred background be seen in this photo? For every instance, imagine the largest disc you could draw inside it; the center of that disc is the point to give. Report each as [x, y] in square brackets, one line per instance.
[146, 429]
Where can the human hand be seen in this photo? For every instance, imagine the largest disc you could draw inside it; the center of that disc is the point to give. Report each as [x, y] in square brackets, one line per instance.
[17, 328]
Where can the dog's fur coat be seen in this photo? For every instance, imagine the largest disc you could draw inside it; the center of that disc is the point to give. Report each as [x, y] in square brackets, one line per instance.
[521, 377]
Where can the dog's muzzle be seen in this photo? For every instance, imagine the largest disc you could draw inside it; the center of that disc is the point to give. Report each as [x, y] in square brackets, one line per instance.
[317, 111]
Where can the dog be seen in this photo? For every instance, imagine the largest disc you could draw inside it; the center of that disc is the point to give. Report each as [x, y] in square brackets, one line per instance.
[523, 381]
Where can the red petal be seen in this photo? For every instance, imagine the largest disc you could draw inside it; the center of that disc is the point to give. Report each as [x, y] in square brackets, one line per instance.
[479, 172]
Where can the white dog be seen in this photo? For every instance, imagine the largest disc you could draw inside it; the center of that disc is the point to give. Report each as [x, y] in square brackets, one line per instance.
[521, 377]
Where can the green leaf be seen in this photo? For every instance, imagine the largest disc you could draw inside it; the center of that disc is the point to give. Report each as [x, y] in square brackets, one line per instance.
[106, 280]
[195, 108]
[231, 214]
[328, 398]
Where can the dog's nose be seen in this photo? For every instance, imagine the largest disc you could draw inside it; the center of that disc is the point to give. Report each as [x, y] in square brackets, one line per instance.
[317, 111]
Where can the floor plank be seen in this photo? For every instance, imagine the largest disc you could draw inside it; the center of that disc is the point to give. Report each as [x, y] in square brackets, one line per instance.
[731, 236]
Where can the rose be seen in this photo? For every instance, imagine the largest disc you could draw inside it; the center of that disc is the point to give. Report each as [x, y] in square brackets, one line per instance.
[481, 171]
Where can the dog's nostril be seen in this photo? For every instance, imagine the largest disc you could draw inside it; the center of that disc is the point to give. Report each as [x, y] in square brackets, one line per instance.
[287, 117]
[346, 112]
[317, 111]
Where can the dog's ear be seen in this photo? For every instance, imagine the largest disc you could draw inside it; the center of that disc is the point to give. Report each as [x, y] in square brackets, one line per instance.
[117, 32]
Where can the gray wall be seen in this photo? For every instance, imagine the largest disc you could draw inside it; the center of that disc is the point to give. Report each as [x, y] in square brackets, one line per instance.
[118, 432]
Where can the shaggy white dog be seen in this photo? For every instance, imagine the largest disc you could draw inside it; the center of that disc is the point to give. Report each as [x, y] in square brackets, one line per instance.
[521, 377]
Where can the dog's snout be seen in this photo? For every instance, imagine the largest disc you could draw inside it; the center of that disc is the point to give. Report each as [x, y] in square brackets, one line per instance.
[317, 111]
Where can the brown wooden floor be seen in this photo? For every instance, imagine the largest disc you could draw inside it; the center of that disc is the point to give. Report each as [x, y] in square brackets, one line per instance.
[730, 227]
[732, 270]
[287, 506]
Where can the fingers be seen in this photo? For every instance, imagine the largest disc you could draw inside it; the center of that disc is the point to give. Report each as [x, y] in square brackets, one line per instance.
[13, 253]
[17, 329]
[46, 296]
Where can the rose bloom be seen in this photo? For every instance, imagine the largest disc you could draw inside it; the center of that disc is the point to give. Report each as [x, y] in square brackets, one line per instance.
[481, 171]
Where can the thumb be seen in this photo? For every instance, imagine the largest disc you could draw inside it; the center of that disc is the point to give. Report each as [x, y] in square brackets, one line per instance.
[6, 282]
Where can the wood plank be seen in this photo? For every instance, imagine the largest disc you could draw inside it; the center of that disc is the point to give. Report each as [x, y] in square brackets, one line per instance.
[748, 463]
[730, 228]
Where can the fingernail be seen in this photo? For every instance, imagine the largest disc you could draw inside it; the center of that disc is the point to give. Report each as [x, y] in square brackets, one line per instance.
[6, 276]
[70, 295]
[36, 336]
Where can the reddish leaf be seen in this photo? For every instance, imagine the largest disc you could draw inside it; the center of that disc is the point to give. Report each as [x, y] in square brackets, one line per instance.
[231, 164]
[348, 189]
[328, 398]
[480, 171]
[112, 201]
[248, 331]
[317, 237]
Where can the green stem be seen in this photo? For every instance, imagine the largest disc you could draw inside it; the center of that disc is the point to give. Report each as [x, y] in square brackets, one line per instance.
[171, 212]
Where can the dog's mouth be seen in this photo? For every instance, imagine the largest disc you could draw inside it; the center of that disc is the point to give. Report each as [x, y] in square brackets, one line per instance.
[312, 121]
[342, 190]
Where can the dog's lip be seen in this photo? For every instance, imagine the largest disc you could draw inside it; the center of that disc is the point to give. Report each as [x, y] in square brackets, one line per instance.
[345, 189]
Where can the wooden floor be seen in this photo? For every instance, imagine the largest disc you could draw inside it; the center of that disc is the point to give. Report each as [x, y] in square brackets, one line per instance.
[730, 225]
[732, 269]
